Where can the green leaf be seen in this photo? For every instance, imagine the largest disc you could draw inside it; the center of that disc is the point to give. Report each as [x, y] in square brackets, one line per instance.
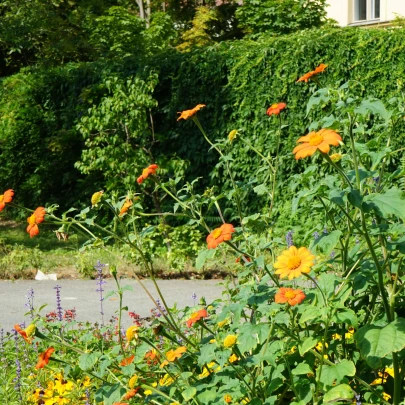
[355, 198]
[326, 243]
[189, 393]
[337, 373]
[373, 106]
[310, 313]
[261, 189]
[88, 360]
[108, 394]
[338, 197]
[348, 316]
[389, 203]
[302, 368]
[203, 257]
[376, 342]
[342, 392]
[307, 344]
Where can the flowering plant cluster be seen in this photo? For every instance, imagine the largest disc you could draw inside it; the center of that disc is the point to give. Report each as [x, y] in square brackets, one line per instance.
[318, 322]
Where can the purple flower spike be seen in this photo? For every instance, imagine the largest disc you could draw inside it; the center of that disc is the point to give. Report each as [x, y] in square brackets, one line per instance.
[58, 303]
[99, 267]
[30, 302]
[289, 239]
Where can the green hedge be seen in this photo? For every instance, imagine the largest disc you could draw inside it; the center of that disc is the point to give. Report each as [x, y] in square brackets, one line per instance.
[237, 80]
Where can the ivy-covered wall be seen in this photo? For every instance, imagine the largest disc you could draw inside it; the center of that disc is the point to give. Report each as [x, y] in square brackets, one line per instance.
[39, 142]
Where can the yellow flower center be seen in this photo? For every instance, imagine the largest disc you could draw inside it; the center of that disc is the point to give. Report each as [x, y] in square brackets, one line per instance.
[293, 262]
[32, 219]
[216, 233]
[290, 294]
[1, 197]
[274, 105]
[315, 139]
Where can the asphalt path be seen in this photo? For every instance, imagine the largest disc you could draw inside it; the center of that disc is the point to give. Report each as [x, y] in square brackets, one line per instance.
[82, 296]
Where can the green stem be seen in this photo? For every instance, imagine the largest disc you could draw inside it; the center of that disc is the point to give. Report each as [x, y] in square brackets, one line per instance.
[341, 172]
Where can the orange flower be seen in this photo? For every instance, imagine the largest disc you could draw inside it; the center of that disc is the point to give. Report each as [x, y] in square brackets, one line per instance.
[43, 358]
[314, 141]
[321, 68]
[152, 356]
[6, 198]
[127, 361]
[151, 169]
[275, 109]
[293, 262]
[172, 355]
[127, 204]
[196, 316]
[220, 235]
[36, 218]
[185, 115]
[130, 394]
[293, 297]
[26, 333]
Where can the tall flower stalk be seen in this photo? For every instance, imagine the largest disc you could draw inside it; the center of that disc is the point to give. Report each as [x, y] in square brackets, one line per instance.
[100, 282]
[59, 309]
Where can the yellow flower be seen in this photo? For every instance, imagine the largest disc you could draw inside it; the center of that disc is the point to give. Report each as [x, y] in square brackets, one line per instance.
[166, 380]
[154, 384]
[209, 368]
[233, 358]
[350, 333]
[96, 198]
[336, 336]
[336, 157]
[232, 135]
[147, 392]
[227, 399]
[230, 340]
[245, 400]
[382, 376]
[131, 333]
[293, 262]
[292, 350]
[213, 341]
[386, 396]
[133, 381]
[223, 323]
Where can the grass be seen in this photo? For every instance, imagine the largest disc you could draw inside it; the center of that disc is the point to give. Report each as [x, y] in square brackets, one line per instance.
[21, 257]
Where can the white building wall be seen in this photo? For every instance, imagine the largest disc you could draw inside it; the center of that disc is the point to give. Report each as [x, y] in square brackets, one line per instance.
[339, 11]
[342, 10]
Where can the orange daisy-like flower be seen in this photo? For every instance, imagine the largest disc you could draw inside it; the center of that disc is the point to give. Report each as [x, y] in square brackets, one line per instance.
[289, 295]
[293, 262]
[151, 169]
[321, 68]
[219, 235]
[276, 109]
[172, 355]
[130, 394]
[127, 361]
[314, 141]
[6, 198]
[152, 356]
[43, 358]
[127, 205]
[26, 333]
[196, 316]
[185, 115]
[36, 218]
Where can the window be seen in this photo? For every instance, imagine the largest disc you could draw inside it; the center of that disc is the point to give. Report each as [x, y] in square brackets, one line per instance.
[366, 10]
[375, 9]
